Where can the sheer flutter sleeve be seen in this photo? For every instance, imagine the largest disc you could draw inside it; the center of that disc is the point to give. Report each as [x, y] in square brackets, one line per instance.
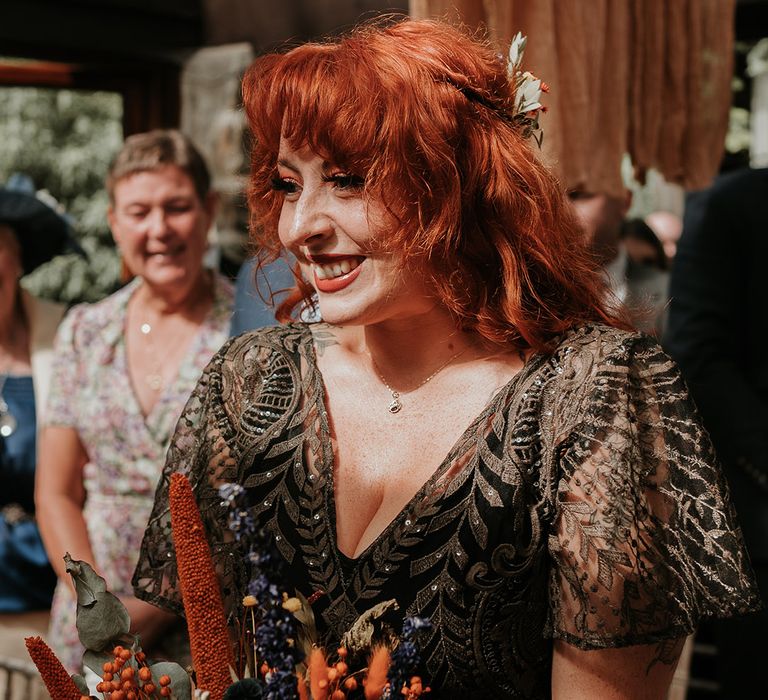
[645, 541]
[210, 447]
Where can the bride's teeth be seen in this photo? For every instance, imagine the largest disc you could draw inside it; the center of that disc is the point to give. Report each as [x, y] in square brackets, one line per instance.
[329, 271]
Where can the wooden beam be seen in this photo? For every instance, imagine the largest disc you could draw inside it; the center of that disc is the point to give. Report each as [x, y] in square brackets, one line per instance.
[37, 73]
[88, 31]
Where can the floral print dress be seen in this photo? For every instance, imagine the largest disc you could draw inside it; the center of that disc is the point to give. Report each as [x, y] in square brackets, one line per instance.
[91, 391]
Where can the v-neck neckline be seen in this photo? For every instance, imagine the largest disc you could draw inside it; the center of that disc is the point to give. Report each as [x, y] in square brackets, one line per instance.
[153, 420]
[327, 467]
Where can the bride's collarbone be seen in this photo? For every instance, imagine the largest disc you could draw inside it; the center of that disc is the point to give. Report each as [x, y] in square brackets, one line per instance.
[413, 442]
[434, 412]
[447, 405]
[429, 420]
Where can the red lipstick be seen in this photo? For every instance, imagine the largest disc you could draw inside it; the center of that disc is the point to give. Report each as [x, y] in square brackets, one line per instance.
[337, 283]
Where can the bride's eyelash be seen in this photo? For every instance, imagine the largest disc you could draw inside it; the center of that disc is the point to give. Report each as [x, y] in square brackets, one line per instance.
[345, 181]
[280, 184]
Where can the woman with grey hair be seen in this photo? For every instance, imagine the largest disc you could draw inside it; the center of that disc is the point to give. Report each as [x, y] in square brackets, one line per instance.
[123, 370]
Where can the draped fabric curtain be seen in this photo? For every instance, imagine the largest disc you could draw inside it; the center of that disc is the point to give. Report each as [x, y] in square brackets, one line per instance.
[650, 78]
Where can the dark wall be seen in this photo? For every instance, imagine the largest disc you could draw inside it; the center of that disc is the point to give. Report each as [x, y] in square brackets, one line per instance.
[107, 31]
[267, 23]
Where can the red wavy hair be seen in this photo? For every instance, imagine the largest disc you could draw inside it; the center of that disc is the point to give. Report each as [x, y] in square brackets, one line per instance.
[421, 110]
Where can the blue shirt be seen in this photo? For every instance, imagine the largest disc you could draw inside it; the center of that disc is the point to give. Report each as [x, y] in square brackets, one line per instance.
[251, 310]
[26, 577]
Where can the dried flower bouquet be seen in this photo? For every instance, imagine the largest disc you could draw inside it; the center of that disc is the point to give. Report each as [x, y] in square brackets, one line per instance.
[276, 633]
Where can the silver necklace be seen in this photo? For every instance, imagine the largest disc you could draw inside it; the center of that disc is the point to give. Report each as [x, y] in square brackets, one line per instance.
[154, 379]
[8, 421]
[395, 405]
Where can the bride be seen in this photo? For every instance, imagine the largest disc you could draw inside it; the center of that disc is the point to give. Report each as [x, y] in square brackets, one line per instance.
[470, 431]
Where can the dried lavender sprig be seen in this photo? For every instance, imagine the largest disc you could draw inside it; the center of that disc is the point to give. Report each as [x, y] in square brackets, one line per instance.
[405, 657]
[240, 522]
[277, 628]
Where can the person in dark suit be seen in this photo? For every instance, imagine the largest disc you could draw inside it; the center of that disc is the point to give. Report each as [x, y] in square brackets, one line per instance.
[718, 333]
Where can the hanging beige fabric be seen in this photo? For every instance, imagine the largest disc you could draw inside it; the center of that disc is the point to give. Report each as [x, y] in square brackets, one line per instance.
[646, 77]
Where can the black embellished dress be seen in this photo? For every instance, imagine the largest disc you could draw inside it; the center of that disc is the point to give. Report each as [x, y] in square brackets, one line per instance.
[584, 503]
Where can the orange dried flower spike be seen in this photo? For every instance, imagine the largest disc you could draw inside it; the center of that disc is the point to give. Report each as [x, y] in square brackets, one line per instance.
[376, 680]
[318, 675]
[302, 687]
[208, 637]
[60, 686]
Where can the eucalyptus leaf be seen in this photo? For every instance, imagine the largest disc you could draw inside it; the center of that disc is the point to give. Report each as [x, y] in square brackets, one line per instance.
[359, 637]
[95, 660]
[181, 685]
[102, 623]
[87, 582]
[82, 686]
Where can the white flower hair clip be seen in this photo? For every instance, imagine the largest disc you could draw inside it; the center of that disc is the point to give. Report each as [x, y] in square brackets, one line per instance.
[527, 90]
[523, 110]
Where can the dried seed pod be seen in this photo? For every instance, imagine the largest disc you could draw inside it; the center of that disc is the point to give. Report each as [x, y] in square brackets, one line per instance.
[209, 640]
[60, 686]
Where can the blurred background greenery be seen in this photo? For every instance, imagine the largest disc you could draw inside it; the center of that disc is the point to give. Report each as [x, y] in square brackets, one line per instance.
[64, 140]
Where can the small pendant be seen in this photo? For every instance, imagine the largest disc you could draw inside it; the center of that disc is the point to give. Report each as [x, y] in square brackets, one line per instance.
[395, 405]
[155, 381]
[8, 423]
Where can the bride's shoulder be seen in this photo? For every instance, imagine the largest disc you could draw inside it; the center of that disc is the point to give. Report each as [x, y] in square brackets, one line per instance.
[245, 362]
[597, 345]
[255, 377]
[594, 359]
[287, 339]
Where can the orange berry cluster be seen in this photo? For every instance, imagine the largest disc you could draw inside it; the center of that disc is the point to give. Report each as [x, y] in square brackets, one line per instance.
[123, 679]
[208, 637]
[60, 686]
[414, 689]
[331, 682]
[376, 682]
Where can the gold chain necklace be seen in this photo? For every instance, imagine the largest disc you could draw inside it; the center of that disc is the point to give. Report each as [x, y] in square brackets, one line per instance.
[395, 406]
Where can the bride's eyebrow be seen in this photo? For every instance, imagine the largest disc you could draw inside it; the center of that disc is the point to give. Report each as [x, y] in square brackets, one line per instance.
[287, 164]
